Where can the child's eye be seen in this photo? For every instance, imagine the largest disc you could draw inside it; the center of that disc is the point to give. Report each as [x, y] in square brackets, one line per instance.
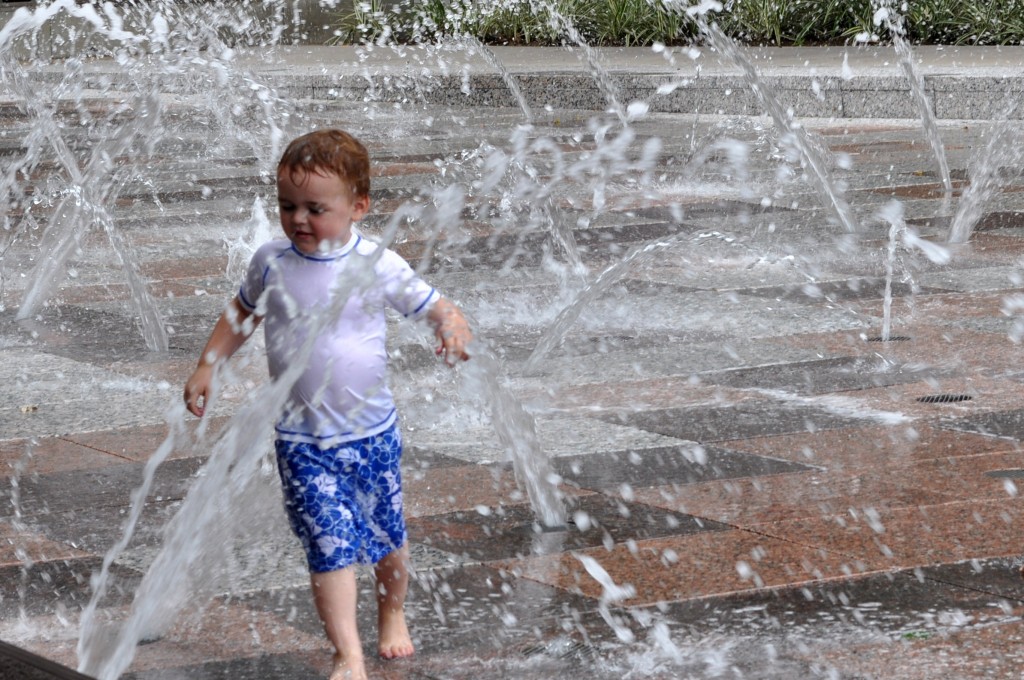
[286, 208]
[316, 211]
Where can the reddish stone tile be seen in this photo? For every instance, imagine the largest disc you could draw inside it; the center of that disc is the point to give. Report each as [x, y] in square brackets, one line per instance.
[875, 147]
[437, 491]
[17, 546]
[988, 249]
[985, 395]
[395, 169]
[96, 293]
[750, 502]
[139, 443]
[922, 311]
[930, 344]
[685, 567]
[991, 650]
[889, 538]
[222, 631]
[50, 454]
[859, 127]
[872, 447]
[919, 191]
[191, 287]
[212, 631]
[181, 268]
[635, 395]
[967, 477]
[134, 443]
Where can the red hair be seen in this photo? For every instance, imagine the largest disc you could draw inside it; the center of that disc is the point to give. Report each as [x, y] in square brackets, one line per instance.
[331, 151]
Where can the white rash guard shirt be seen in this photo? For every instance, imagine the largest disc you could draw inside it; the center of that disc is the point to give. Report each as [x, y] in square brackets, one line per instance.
[342, 394]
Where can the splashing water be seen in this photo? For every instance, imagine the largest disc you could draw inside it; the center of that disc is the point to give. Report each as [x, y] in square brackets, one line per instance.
[555, 334]
[885, 14]
[256, 231]
[18, 524]
[611, 593]
[84, 205]
[517, 433]
[812, 156]
[901, 234]
[1003, 150]
[892, 213]
[129, 135]
[510, 81]
[564, 26]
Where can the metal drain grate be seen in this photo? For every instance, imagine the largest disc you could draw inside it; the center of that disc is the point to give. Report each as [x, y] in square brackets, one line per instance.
[944, 398]
[1005, 474]
[891, 338]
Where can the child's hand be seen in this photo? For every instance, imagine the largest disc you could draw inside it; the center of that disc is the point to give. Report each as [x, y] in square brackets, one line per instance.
[452, 331]
[197, 390]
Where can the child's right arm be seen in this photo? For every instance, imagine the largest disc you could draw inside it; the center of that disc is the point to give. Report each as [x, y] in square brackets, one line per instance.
[228, 335]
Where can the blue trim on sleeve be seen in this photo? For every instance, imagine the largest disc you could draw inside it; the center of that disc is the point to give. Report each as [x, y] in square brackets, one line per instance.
[430, 296]
[245, 302]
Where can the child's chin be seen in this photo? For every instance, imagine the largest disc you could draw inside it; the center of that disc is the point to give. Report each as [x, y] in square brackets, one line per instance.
[306, 247]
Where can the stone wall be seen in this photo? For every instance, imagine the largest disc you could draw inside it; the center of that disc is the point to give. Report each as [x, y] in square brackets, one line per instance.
[298, 22]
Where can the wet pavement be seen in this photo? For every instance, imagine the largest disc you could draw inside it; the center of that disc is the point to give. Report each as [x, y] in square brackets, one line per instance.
[758, 482]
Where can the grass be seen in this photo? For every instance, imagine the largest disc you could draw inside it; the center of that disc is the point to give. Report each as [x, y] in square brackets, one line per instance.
[646, 22]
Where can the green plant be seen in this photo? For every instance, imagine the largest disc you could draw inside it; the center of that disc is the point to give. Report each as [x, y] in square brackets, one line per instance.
[644, 22]
[630, 23]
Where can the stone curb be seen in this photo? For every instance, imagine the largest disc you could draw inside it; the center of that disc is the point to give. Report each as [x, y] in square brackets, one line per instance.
[962, 83]
[951, 97]
[24, 665]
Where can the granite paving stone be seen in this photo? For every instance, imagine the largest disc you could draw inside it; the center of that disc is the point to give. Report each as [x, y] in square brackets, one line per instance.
[620, 472]
[58, 585]
[513, 531]
[718, 423]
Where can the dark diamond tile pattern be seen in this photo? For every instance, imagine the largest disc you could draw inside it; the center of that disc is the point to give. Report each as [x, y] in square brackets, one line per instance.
[1000, 424]
[512, 531]
[110, 486]
[52, 586]
[825, 376]
[610, 472]
[280, 667]
[838, 291]
[738, 421]
[18, 664]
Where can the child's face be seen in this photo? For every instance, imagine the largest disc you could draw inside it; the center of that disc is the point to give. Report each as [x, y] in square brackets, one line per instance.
[317, 209]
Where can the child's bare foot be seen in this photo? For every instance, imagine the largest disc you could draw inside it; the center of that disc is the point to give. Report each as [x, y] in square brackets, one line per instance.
[348, 669]
[393, 639]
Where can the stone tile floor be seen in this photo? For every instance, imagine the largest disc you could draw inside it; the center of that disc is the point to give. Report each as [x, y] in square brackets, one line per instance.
[756, 485]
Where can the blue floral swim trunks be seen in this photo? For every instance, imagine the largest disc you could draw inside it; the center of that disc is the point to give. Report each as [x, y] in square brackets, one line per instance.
[345, 502]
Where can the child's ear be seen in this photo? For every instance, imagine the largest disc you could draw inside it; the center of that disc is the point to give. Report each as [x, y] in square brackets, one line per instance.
[360, 206]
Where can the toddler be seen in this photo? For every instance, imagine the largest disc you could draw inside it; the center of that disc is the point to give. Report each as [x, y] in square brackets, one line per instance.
[338, 445]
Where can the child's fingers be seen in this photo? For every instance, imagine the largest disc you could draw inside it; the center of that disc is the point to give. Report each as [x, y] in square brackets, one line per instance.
[195, 400]
[453, 339]
[455, 350]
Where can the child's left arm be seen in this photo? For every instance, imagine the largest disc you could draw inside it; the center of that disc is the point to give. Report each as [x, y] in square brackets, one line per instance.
[451, 329]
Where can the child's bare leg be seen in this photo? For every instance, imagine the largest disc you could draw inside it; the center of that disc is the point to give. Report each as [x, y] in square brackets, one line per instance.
[334, 593]
[392, 572]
